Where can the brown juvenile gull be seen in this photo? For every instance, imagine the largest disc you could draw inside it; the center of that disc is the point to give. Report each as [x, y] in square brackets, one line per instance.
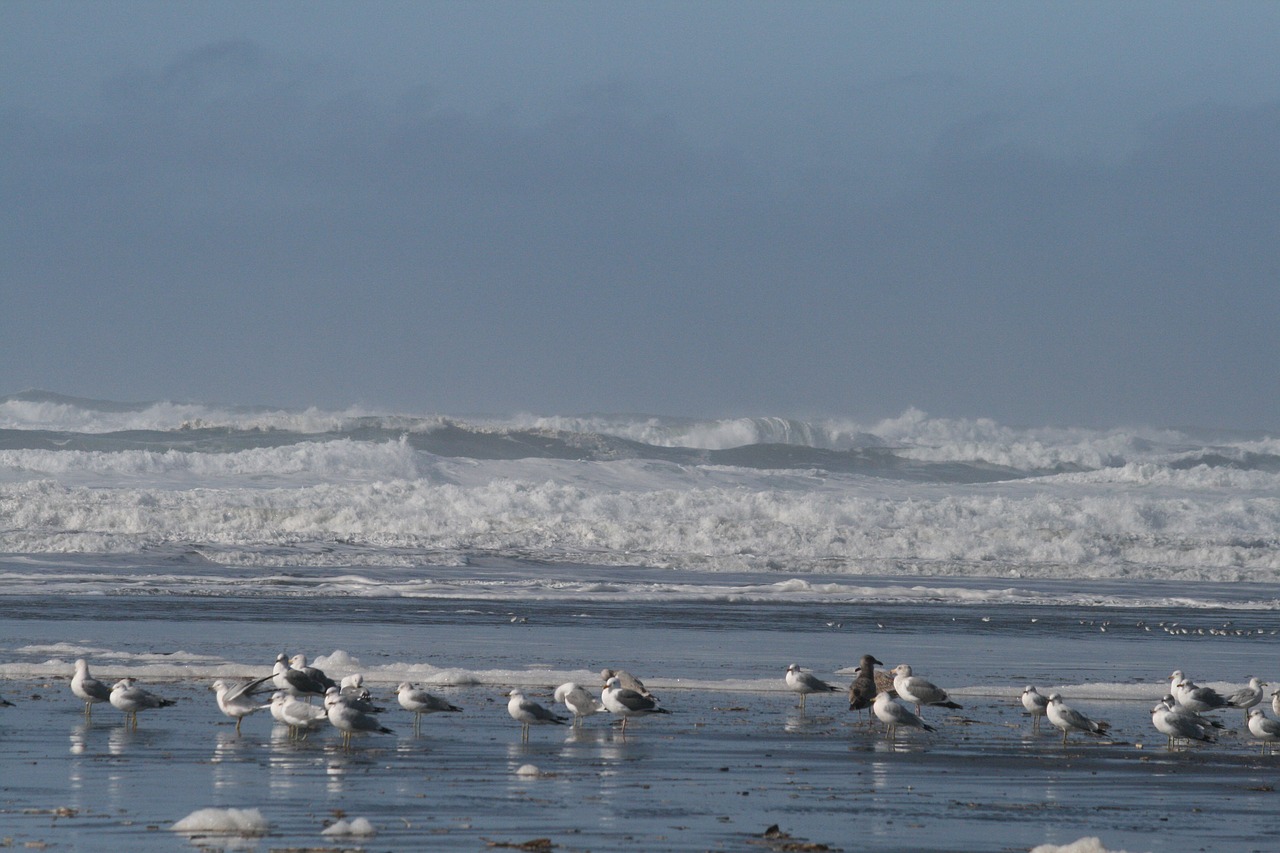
[863, 690]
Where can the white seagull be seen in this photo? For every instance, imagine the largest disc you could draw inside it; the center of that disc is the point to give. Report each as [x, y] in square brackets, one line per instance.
[626, 681]
[293, 681]
[917, 690]
[805, 683]
[1266, 730]
[1275, 702]
[526, 712]
[301, 718]
[234, 699]
[421, 702]
[1067, 718]
[349, 720]
[893, 713]
[1196, 698]
[578, 700]
[1247, 697]
[627, 703]
[88, 688]
[1035, 702]
[1179, 724]
[130, 698]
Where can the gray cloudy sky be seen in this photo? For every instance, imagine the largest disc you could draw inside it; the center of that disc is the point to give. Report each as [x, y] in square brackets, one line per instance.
[1050, 212]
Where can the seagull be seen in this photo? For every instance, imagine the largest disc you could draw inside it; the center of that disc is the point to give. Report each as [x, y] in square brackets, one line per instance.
[627, 703]
[578, 700]
[88, 688]
[301, 718]
[349, 720]
[299, 662]
[626, 681]
[919, 691]
[1067, 718]
[354, 680]
[1275, 702]
[1266, 730]
[295, 682]
[360, 699]
[5, 703]
[130, 698]
[420, 702]
[526, 711]
[805, 683]
[1035, 702]
[1196, 698]
[1178, 723]
[862, 692]
[893, 714]
[234, 701]
[1247, 697]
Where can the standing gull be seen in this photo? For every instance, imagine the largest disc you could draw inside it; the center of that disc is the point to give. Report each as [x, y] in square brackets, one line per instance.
[805, 683]
[88, 688]
[130, 698]
[578, 700]
[893, 714]
[1179, 724]
[420, 702]
[1064, 717]
[863, 690]
[919, 691]
[293, 681]
[299, 662]
[626, 681]
[235, 700]
[349, 720]
[1035, 702]
[1247, 697]
[1275, 702]
[526, 712]
[627, 703]
[301, 718]
[1266, 730]
[1198, 699]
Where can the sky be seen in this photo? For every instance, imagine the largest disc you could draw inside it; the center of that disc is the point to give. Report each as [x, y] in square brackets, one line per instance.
[1044, 213]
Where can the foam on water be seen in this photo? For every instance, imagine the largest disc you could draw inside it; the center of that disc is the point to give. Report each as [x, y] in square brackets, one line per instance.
[911, 496]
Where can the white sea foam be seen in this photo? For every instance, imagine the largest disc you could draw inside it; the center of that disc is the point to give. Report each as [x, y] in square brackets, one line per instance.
[358, 826]
[934, 497]
[223, 822]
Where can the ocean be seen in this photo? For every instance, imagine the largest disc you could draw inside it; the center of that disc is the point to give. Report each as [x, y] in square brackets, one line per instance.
[182, 542]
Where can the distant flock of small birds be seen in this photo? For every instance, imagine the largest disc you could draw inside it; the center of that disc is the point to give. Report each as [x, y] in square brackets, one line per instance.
[349, 707]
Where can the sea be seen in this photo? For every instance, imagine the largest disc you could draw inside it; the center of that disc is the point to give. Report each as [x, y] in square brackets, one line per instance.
[180, 542]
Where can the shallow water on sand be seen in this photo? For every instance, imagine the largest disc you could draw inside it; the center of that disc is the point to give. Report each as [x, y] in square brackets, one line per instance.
[734, 757]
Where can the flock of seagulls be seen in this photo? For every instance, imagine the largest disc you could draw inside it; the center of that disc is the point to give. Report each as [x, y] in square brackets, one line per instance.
[1181, 715]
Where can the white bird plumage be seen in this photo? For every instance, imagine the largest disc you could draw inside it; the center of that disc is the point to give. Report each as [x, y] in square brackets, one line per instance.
[421, 702]
[893, 714]
[580, 701]
[1066, 718]
[527, 712]
[88, 688]
[805, 683]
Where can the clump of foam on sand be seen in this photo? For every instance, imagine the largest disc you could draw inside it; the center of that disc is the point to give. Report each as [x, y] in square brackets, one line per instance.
[1083, 845]
[355, 826]
[224, 822]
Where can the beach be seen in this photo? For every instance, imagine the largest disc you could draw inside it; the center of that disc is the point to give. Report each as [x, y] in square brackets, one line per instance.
[734, 757]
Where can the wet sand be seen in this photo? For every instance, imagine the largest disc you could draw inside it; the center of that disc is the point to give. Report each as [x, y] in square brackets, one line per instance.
[733, 759]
